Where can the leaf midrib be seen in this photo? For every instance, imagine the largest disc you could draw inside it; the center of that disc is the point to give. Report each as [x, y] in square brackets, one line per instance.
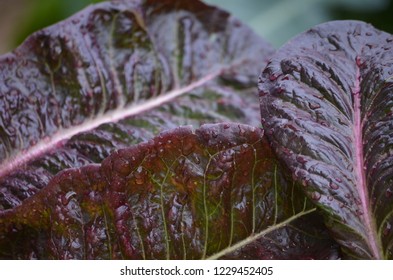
[361, 185]
[47, 144]
[261, 234]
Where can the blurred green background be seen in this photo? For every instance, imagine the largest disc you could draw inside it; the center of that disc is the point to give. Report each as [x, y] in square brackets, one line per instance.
[275, 20]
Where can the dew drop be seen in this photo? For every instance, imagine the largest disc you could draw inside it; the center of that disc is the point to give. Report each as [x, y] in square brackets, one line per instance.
[279, 90]
[387, 228]
[313, 106]
[301, 159]
[57, 50]
[97, 90]
[75, 244]
[197, 160]
[187, 148]
[139, 180]
[330, 198]
[359, 212]
[66, 199]
[333, 186]
[358, 61]
[139, 169]
[106, 17]
[242, 131]
[347, 195]
[316, 196]
[263, 93]
[389, 193]
[273, 77]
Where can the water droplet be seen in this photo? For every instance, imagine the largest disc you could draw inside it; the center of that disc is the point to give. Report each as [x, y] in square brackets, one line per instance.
[389, 193]
[316, 196]
[187, 148]
[359, 212]
[197, 160]
[291, 127]
[333, 186]
[139, 169]
[68, 196]
[330, 198]
[57, 50]
[263, 93]
[279, 90]
[313, 106]
[139, 180]
[321, 97]
[97, 90]
[75, 244]
[387, 228]
[106, 17]
[75, 20]
[226, 126]
[347, 195]
[273, 77]
[301, 159]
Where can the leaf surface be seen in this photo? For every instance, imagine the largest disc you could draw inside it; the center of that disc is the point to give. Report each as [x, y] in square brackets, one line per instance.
[116, 74]
[326, 105]
[181, 195]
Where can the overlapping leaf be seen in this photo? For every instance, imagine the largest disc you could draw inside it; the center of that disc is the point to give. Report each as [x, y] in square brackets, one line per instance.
[215, 192]
[115, 75]
[326, 102]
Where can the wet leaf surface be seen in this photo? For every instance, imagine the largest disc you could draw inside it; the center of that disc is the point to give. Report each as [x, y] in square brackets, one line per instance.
[114, 75]
[181, 195]
[326, 102]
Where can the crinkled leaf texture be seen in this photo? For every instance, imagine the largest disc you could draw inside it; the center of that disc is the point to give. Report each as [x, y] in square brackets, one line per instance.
[326, 105]
[216, 192]
[77, 98]
[114, 75]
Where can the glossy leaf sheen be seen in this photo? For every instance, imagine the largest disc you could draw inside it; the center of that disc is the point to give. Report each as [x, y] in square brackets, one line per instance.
[114, 75]
[326, 104]
[182, 195]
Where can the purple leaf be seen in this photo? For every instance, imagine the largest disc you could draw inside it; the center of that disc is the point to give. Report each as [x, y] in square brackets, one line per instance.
[326, 105]
[216, 192]
[115, 75]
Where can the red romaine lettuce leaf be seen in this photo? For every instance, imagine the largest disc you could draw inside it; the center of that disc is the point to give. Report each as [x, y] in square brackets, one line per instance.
[326, 105]
[216, 192]
[114, 75]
